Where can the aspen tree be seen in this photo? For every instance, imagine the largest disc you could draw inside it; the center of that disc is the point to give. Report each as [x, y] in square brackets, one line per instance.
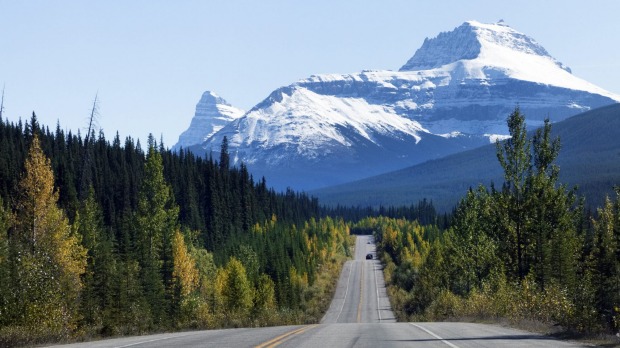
[49, 259]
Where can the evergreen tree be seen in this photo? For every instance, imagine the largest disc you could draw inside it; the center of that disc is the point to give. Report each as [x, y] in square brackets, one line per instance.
[536, 216]
[156, 222]
[101, 270]
[224, 155]
[552, 217]
[515, 158]
[5, 270]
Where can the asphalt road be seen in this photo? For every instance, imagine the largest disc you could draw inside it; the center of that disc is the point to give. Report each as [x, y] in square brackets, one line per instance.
[359, 316]
[360, 296]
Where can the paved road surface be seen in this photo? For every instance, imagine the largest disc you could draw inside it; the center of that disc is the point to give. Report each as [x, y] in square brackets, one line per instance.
[359, 316]
[360, 296]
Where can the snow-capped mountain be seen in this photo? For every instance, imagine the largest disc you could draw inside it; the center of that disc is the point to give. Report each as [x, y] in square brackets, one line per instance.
[212, 114]
[453, 94]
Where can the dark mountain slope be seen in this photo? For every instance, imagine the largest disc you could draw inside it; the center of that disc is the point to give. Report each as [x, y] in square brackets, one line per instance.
[589, 158]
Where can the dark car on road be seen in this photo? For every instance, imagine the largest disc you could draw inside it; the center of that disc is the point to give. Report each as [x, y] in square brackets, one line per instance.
[368, 256]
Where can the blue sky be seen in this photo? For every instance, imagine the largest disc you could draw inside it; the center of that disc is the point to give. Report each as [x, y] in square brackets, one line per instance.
[150, 60]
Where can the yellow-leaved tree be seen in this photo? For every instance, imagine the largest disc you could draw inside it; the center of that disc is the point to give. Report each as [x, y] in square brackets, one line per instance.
[47, 256]
[184, 274]
[234, 292]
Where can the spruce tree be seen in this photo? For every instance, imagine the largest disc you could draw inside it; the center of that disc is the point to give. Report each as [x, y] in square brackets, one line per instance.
[224, 155]
[98, 298]
[156, 221]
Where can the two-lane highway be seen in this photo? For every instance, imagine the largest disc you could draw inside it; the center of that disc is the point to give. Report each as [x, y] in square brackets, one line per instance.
[359, 316]
[361, 295]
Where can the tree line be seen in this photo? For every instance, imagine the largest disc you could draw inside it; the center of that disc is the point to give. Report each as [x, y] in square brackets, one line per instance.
[102, 239]
[528, 250]
[424, 212]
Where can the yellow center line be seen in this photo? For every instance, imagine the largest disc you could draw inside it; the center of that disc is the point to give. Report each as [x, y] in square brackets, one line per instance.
[284, 337]
[359, 305]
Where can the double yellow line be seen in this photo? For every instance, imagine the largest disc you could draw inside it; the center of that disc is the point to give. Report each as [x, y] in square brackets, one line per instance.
[285, 337]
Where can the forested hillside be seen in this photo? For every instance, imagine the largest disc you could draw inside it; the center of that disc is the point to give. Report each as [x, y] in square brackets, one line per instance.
[526, 251]
[590, 159]
[102, 238]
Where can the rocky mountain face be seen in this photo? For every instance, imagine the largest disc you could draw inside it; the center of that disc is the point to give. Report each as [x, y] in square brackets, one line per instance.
[454, 94]
[212, 114]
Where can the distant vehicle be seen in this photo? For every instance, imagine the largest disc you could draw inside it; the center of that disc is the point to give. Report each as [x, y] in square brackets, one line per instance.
[368, 242]
[368, 256]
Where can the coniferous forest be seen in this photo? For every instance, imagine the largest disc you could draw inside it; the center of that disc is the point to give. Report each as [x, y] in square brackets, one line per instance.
[99, 237]
[102, 238]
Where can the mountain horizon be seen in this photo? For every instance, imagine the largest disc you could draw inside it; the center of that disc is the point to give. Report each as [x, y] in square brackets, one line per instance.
[453, 94]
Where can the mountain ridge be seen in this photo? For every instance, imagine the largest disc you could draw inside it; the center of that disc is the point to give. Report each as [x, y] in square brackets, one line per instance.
[332, 123]
[589, 158]
[212, 114]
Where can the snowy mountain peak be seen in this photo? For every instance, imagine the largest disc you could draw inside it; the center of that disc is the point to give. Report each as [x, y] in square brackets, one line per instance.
[470, 41]
[453, 94]
[210, 98]
[212, 114]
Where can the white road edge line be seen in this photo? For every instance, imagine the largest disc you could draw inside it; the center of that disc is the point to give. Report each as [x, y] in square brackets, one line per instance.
[377, 288]
[153, 340]
[434, 335]
[346, 291]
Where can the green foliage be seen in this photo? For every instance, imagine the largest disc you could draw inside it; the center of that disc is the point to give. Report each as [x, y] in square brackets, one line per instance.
[604, 262]
[5, 265]
[101, 269]
[146, 237]
[522, 252]
[236, 289]
[45, 258]
[265, 295]
[156, 222]
[472, 251]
